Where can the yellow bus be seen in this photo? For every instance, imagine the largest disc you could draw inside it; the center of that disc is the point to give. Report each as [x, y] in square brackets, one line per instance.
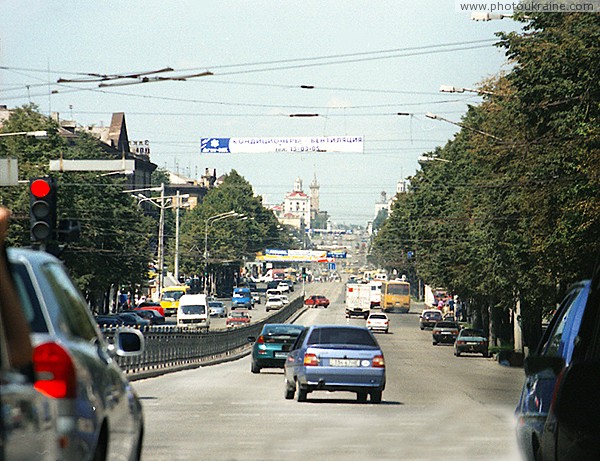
[395, 295]
[169, 298]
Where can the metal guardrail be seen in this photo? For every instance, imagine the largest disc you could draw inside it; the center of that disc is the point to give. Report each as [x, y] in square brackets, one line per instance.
[169, 349]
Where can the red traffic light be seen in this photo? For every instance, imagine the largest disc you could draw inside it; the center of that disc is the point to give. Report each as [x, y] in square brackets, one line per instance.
[39, 188]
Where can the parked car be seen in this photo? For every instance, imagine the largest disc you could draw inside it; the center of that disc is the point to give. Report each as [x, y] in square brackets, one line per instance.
[217, 309]
[472, 341]
[445, 332]
[238, 318]
[335, 358]
[378, 321]
[151, 315]
[572, 427]
[109, 321]
[317, 301]
[273, 303]
[132, 319]
[429, 318]
[99, 412]
[553, 353]
[270, 349]
[150, 305]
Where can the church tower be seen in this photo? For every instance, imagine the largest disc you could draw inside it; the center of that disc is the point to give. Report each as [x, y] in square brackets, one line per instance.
[314, 194]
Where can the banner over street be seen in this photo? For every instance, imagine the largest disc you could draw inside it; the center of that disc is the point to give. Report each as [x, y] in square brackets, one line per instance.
[269, 145]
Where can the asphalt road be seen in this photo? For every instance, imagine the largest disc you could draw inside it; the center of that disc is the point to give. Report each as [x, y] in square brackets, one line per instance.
[435, 407]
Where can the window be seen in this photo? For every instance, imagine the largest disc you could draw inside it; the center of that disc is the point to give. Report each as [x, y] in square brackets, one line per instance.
[70, 314]
[345, 336]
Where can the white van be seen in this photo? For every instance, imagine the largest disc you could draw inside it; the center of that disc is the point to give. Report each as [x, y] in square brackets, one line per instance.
[193, 312]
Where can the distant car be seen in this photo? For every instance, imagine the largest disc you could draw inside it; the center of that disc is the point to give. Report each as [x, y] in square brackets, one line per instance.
[273, 303]
[217, 309]
[542, 367]
[133, 319]
[429, 318]
[146, 305]
[100, 415]
[445, 332]
[109, 321]
[289, 283]
[270, 349]
[255, 296]
[238, 318]
[317, 301]
[283, 287]
[472, 341]
[335, 358]
[285, 300]
[151, 315]
[378, 321]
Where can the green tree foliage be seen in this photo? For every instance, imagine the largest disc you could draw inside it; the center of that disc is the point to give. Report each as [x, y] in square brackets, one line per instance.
[234, 238]
[113, 247]
[510, 210]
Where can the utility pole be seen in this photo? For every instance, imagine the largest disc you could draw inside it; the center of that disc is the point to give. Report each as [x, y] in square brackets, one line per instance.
[177, 205]
[161, 238]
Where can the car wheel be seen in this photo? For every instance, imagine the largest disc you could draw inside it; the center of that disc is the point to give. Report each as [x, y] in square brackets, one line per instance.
[376, 396]
[254, 368]
[138, 450]
[361, 397]
[289, 391]
[457, 354]
[422, 328]
[302, 394]
[435, 343]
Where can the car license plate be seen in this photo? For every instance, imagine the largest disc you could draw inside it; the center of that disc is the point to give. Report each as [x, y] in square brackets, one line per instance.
[472, 343]
[344, 362]
[281, 355]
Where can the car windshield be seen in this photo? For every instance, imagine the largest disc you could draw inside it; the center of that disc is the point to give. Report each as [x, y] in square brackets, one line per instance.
[215, 304]
[341, 336]
[172, 295]
[239, 315]
[193, 309]
[433, 315]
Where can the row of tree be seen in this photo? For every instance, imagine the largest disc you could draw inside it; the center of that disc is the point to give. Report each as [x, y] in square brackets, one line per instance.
[507, 213]
[118, 238]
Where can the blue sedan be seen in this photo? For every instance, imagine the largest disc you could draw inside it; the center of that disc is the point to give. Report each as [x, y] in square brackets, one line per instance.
[335, 358]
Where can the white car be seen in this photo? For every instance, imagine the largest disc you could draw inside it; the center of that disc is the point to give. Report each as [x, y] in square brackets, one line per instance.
[274, 302]
[284, 299]
[378, 321]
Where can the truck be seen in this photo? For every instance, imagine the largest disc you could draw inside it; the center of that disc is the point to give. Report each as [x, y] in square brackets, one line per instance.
[358, 300]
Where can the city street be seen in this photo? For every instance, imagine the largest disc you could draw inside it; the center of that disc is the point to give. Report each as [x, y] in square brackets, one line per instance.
[435, 406]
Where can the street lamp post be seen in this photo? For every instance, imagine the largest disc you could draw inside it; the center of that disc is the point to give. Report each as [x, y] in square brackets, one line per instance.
[466, 127]
[210, 220]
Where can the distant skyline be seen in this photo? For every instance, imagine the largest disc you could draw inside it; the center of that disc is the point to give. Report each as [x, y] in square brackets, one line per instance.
[352, 65]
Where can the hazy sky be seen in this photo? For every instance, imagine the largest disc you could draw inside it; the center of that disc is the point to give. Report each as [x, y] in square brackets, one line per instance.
[367, 60]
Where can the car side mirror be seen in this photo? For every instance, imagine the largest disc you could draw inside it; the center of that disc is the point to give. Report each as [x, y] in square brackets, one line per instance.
[129, 342]
[576, 408]
[537, 363]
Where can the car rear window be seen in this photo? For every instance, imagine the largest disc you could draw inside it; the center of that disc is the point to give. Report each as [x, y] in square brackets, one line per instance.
[292, 330]
[344, 336]
[378, 316]
[446, 325]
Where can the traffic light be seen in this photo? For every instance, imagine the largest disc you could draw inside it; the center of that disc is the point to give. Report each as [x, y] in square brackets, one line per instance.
[42, 209]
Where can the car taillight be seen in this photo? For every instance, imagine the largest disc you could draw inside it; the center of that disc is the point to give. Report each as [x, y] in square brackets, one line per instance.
[460, 342]
[261, 339]
[311, 360]
[378, 362]
[55, 371]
